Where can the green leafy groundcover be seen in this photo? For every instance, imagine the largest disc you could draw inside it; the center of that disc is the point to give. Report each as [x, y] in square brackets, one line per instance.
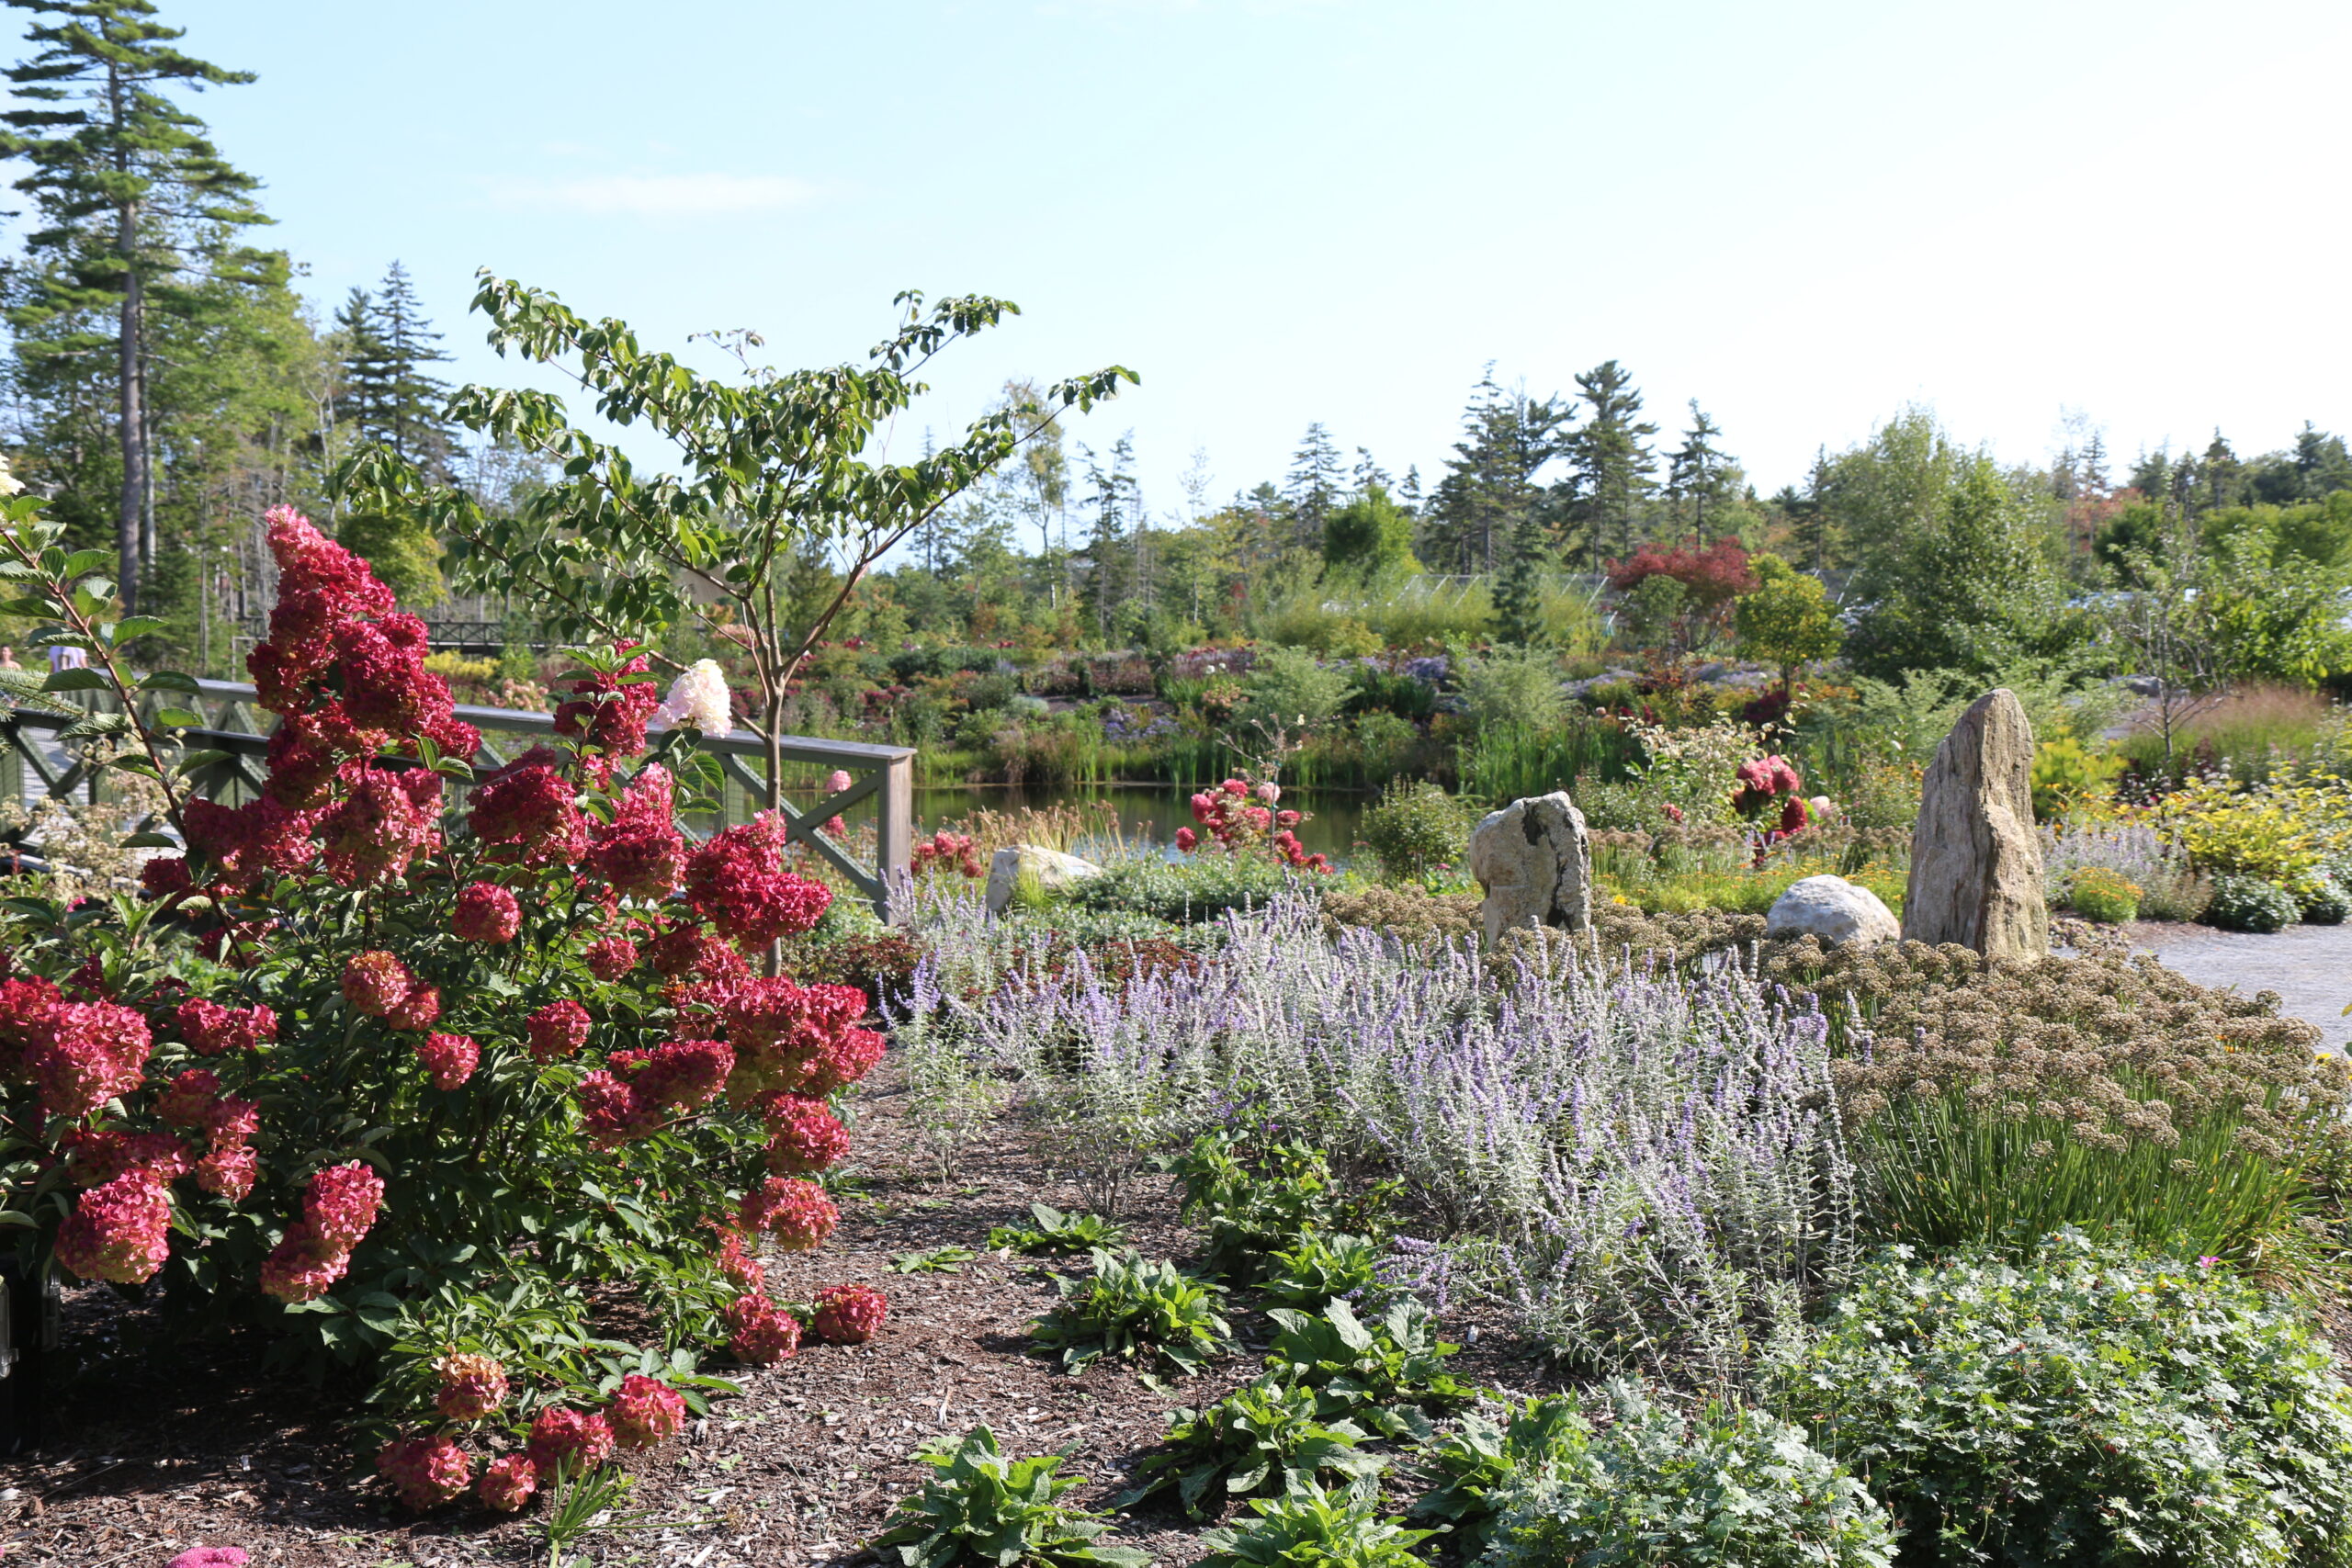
[2081, 1406]
[1725, 1486]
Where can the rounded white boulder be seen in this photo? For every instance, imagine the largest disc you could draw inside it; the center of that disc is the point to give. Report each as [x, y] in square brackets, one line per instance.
[1833, 910]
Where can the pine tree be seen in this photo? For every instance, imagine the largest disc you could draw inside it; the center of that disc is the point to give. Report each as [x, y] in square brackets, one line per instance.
[1112, 567]
[137, 210]
[1314, 486]
[1700, 477]
[1478, 513]
[363, 396]
[414, 426]
[1612, 466]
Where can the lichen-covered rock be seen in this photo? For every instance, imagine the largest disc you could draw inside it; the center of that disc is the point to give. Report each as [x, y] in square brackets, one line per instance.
[1838, 911]
[1535, 862]
[1050, 869]
[1976, 859]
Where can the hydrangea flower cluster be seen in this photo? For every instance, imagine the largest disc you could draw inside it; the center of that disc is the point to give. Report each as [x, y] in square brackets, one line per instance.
[425, 1471]
[641, 853]
[557, 1031]
[338, 1210]
[528, 813]
[804, 1136]
[472, 1386]
[848, 1314]
[736, 881]
[563, 1439]
[1772, 786]
[116, 1231]
[644, 1411]
[1233, 823]
[78, 1055]
[450, 1059]
[211, 1029]
[763, 1333]
[486, 913]
[794, 1039]
[795, 1213]
[611, 957]
[698, 698]
[609, 711]
[344, 671]
[507, 1483]
[376, 983]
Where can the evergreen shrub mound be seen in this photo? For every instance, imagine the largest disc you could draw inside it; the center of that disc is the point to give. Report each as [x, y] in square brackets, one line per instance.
[2082, 1406]
[1721, 1486]
[2327, 903]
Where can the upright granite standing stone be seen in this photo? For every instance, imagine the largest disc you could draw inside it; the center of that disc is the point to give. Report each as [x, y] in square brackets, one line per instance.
[1535, 862]
[1976, 859]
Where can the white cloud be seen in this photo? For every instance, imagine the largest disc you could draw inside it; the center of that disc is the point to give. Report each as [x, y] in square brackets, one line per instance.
[656, 196]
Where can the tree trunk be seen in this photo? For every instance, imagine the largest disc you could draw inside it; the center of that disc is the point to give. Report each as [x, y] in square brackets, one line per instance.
[133, 413]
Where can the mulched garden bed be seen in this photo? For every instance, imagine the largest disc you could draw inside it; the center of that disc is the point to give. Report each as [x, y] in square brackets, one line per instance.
[149, 1455]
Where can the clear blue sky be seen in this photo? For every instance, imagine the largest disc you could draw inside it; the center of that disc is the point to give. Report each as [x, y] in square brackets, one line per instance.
[1282, 210]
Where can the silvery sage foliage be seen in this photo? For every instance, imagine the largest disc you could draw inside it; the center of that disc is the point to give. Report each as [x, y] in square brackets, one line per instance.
[1647, 1161]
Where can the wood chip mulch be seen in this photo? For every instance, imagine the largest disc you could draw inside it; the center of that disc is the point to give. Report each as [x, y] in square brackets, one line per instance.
[151, 1454]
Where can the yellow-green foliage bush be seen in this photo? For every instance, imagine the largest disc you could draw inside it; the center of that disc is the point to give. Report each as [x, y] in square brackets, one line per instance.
[2281, 833]
[2068, 776]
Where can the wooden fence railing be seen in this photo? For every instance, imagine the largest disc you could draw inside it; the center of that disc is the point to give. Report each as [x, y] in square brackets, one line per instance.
[236, 725]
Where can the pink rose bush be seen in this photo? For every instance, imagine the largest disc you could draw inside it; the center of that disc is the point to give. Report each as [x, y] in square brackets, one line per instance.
[379, 1060]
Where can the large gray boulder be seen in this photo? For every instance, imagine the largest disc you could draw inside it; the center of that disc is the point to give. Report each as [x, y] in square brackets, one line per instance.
[1836, 910]
[1535, 862]
[1976, 859]
[1051, 870]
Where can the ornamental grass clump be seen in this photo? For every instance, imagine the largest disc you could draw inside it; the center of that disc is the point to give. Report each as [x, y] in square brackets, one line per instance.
[365, 1068]
[1997, 1103]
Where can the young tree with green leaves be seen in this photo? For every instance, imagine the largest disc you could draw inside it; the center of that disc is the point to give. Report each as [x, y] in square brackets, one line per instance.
[136, 209]
[774, 469]
[1787, 620]
[1369, 535]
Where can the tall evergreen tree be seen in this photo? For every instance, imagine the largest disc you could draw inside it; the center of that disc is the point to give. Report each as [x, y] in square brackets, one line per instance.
[1613, 466]
[1479, 516]
[363, 394]
[1700, 477]
[1315, 486]
[136, 209]
[415, 425]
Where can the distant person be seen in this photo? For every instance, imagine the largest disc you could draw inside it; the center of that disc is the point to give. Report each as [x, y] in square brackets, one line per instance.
[61, 657]
[8, 659]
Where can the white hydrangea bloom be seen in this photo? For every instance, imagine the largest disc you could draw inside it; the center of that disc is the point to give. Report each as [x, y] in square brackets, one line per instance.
[9, 483]
[698, 697]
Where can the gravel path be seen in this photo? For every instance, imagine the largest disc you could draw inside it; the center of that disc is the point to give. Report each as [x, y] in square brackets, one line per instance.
[2308, 967]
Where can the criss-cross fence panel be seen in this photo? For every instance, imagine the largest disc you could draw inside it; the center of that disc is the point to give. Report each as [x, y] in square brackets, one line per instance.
[30, 767]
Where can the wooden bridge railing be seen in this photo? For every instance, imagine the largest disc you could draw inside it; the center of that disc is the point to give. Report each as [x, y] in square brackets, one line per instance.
[238, 726]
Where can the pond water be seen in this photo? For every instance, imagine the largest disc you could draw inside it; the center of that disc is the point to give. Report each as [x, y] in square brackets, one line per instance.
[1146, 814]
